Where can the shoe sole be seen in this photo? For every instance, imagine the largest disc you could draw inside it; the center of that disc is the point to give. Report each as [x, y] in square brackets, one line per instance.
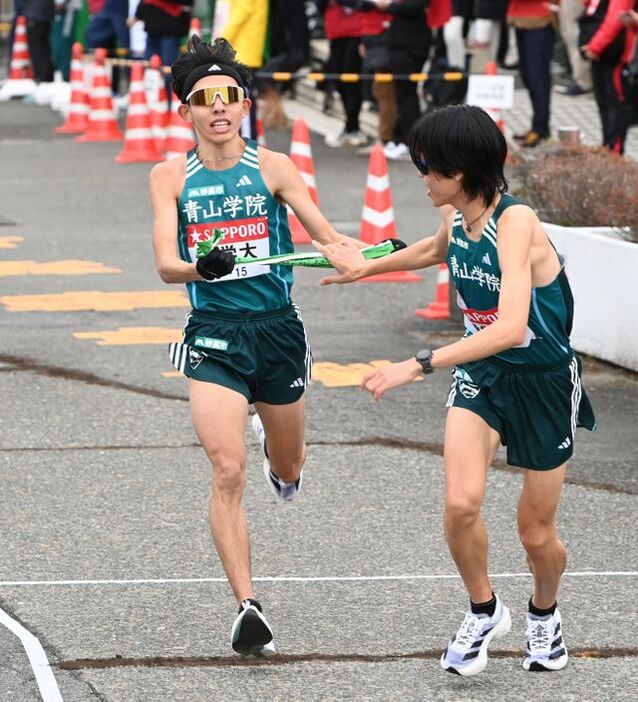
[480, 662]
[546, 666]
[251, 635]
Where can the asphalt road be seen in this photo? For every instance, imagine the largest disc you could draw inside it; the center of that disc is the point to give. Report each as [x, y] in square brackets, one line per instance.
[106, 556]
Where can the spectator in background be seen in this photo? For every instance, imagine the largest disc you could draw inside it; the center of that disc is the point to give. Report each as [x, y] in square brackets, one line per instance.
[246, 31]
[610, 47]
[535, 24]
[346, 22]
[62, 34]
[165, 23]
[39, 16]
[289, 51]
[408, 39]
[570, 11]
[107, 27]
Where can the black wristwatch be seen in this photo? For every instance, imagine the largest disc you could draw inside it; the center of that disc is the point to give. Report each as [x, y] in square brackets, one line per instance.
[424, 357]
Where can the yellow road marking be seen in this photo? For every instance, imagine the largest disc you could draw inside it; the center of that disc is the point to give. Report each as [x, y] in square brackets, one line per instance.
[334, 375]
[94, 300]
[10, 242]
[70, 267]
[129, 336]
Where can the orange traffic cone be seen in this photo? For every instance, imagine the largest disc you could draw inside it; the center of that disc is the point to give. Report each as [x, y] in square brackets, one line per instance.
[195, 27]
[77, 118]
[440, 308]
[301, 156]
[159, 106]
[20, 82]
[102, 123]
[139, 145]
[179, 136]
[377, 220]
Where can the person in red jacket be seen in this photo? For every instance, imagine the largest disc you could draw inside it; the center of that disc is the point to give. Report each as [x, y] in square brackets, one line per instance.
[346, 22]
[609, 49]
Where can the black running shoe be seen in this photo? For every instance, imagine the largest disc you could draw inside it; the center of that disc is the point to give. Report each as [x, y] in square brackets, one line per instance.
[251, 634]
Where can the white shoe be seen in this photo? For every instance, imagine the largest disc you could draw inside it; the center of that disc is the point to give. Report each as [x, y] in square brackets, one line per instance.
[284, 491]
[251, 635]
[347, 139]
[400, 152]
[545, 646]
[466, 653]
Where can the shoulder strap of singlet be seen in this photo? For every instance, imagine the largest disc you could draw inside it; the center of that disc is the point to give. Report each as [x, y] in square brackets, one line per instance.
[506, 201]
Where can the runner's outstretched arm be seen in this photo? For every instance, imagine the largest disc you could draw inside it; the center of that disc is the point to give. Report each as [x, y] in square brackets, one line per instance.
[351, 265]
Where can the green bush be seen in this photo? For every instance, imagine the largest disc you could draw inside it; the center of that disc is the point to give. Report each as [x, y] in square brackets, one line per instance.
[581, 187]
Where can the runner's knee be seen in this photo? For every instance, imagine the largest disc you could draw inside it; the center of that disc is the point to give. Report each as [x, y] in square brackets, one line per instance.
[536, 536]
[229, 475]
[461, 511]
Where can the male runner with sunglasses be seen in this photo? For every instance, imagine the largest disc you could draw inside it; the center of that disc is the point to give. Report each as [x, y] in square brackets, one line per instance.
[244, 341]
[515, 381]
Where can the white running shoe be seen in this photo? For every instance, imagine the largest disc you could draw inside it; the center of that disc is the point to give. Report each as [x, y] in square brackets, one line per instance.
[545, 646]
[251, 635]
[400, 152]
[284, 491]
[466, 653]
[347, 139]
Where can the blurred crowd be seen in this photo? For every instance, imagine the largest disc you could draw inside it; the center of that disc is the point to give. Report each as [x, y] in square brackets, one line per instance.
[401, 37]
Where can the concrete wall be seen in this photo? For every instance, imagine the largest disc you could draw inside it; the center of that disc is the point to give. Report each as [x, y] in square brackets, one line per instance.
[602, 272]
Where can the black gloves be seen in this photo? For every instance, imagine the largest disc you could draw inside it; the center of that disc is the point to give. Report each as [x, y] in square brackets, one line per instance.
[216, 263]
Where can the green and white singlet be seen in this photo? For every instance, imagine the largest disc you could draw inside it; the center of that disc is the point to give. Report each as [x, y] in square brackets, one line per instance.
[238, 202]
[476, 273]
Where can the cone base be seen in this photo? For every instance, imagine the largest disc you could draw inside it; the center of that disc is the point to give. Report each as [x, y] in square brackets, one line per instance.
[69, 129]
[437, 310]
[100, 136]
[393, 277]
[139, 158]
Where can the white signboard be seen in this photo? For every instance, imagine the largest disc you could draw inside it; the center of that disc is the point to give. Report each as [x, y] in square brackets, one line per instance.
[491, 92]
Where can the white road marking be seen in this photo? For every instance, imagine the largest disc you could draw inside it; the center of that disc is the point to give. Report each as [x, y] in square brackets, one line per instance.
[37, 657]
[302, 579]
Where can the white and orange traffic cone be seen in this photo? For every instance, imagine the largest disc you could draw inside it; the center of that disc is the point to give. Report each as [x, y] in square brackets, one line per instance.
[20, 82]
[102, 125]
[158, 105]
[440, 308]
[179, 135]
[377, 219]
[301, 156]
[77, 118]
[139, 145]
[195, 27]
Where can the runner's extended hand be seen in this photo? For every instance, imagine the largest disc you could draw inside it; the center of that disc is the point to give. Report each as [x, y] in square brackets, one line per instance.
[216, 263]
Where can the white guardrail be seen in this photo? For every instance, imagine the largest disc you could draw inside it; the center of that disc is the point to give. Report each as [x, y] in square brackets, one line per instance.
[601, 270]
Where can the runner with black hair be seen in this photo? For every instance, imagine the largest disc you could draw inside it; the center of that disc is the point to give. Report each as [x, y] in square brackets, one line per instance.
[515, 379]
[244, 340]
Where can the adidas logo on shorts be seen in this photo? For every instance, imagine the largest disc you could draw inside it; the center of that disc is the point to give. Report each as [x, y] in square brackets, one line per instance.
[299, 383]
[244, 180]
[565, 444]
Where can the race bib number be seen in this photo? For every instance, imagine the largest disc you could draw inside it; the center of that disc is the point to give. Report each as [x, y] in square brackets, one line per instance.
[247, 238]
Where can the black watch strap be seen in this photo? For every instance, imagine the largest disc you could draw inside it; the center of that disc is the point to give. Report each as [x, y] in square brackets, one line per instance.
[424, 357]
